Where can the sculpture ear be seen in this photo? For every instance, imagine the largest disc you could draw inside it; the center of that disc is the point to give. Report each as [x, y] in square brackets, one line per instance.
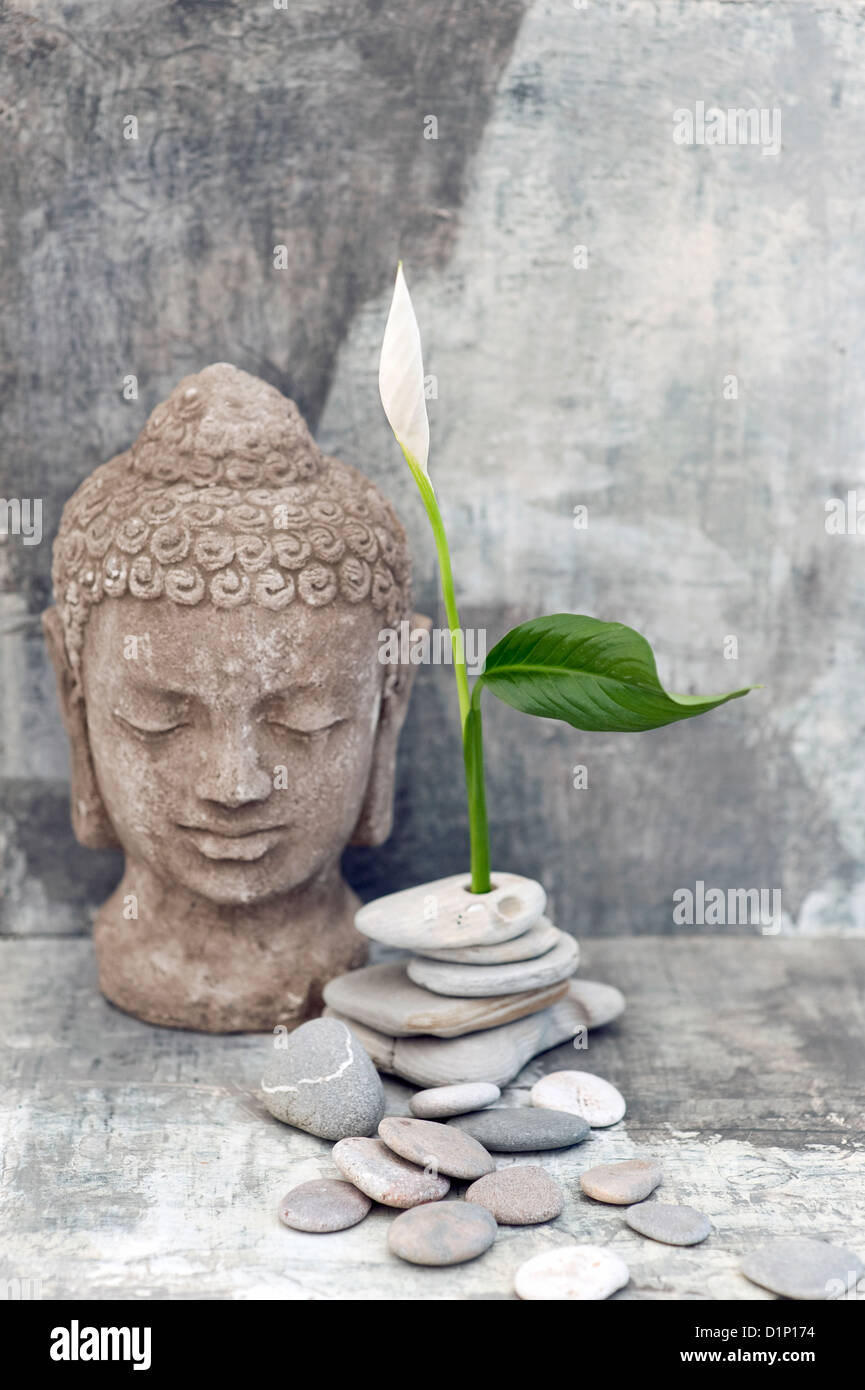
[90, 821]
[376, 814]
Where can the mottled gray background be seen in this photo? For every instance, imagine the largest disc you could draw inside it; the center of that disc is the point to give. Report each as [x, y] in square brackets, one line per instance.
[556, 386]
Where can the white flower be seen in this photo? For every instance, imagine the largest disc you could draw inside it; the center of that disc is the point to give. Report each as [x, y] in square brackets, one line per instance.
[400, 377]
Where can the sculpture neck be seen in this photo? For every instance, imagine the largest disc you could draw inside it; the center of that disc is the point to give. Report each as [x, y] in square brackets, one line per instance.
[173, 958]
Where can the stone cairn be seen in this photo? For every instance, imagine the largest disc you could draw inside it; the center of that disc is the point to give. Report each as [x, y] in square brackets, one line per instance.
[488, 984]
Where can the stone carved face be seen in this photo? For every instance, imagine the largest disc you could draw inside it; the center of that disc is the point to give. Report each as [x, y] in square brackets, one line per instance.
[233, 751]
[219, 593]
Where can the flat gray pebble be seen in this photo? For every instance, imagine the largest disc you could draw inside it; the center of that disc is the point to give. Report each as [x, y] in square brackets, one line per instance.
[796, 1267]
[325, 1204]
[443, 1233]
[521, 1195]
[671, 1224]
[522, 1129]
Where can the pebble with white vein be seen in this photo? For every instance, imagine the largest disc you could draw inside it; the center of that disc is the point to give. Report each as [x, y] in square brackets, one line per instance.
[322, 1081]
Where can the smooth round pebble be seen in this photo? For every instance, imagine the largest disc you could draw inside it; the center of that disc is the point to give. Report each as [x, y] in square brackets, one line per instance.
[446, 1233]
[622, 1183]
[323, 1081]
[521, 1195]
[584, 1272]
[580, 1093]
[671, 1224]
[442, 1101]
[384, 1176]
[521, 1129]
[795, 1267]
[325, 1204]
[436, 1146]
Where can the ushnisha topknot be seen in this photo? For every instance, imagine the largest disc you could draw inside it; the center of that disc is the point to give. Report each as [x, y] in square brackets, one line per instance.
[225, 498]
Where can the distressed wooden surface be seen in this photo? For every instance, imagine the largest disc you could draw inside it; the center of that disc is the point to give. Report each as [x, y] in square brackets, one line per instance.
[140, 1162]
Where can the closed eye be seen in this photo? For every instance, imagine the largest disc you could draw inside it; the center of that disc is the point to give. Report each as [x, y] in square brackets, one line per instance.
[316, 732]
[148, 730]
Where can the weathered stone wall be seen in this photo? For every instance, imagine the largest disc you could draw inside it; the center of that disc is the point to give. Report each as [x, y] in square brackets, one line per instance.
[607, 386]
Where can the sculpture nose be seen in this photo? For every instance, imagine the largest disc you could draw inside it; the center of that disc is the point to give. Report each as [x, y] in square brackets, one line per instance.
[232, 774]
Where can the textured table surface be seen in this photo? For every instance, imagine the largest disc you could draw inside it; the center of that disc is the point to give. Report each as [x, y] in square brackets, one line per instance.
[140, 1162]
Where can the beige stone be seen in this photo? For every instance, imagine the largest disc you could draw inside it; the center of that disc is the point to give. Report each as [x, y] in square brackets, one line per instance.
[219, 592]
[383, 998]
[445, 913]
[495, 1055]
[384, 1176]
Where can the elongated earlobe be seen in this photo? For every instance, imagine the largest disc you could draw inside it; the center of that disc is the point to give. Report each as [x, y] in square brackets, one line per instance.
[90, 821]
[376, 816]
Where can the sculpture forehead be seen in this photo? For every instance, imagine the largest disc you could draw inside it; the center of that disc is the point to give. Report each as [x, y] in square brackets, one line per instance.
[205, 649]
[225, 500]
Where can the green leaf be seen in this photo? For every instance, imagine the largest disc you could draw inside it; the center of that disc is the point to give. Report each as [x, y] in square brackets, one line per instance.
[596, 676]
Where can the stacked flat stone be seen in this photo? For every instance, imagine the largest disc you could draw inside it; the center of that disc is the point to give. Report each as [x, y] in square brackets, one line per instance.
[486, 987]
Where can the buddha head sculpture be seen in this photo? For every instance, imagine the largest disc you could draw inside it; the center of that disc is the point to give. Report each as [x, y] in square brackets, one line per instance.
[219, 591]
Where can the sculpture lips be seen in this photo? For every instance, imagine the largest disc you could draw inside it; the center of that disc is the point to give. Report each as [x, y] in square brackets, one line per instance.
[243, 845]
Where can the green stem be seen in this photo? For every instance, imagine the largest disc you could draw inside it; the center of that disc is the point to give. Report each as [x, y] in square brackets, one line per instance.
[447, 581]
[470, 715]
[473, 749]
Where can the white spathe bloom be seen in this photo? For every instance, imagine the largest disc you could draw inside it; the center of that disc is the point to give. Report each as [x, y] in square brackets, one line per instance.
[400, 376]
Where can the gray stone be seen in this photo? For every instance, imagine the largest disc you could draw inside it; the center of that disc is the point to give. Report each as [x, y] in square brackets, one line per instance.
[384, 998]
[442, 1101]
[497, 1054]
[446, 1233]
[580, 1093]
[622, 1183]
[671, 1224]
[521, 1195]
[325, 1204]
[796, 1267]
[437, 1147]
[384, 1176]
[573, 1272]
[322, 1080]
[520, 1129]
[481, 981]
[539, 939]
